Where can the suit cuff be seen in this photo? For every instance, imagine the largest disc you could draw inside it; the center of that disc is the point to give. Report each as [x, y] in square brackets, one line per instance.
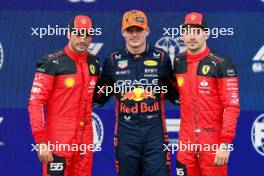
[40, 136]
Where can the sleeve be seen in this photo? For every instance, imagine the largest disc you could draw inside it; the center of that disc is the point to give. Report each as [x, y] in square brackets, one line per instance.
[40, 92]
[227, 84]
[169, 80]
[104, 86]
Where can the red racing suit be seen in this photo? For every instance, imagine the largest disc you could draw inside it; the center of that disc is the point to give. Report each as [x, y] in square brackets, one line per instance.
[208, 88]
[60, 108]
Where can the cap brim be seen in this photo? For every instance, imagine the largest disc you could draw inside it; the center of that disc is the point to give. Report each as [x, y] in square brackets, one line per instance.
[134, 25]
[193, 25]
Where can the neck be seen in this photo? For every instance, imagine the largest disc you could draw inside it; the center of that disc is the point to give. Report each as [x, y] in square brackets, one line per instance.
[137, 50]
[199, 56]
[198, 51]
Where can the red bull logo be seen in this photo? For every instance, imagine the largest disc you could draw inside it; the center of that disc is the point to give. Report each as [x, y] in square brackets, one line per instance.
[137, 94]
[139, 107]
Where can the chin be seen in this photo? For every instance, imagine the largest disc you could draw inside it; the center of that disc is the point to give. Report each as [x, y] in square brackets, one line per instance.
[135, 45]
[81, 49]
[193, 48]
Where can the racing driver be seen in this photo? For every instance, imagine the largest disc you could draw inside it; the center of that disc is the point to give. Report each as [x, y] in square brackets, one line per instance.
[209, 96]
[60, 104]
[145, 76]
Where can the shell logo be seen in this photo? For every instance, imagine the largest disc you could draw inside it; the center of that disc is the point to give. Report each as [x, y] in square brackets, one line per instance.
[69, 82]
[150, 63]
[180, 81]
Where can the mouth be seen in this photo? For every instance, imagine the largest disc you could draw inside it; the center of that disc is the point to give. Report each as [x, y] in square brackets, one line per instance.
[82, 45]
[192, 42]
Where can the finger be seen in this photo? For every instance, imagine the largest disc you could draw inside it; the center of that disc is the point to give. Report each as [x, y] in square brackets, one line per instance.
[221, 162]
[50, 158]
[218, 160]
[225, 160]
[215, 160]
[45, 158]
[40, 157]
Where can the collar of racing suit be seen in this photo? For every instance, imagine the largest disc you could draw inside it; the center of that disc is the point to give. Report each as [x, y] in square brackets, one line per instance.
[138, 56]
[78, 57]
[198, 57]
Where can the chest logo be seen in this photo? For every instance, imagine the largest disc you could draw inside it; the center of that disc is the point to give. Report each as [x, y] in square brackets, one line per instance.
[150, 63]
[206, 69]
[92, 68]
[69, 82]
[180, 81]
[122, 64]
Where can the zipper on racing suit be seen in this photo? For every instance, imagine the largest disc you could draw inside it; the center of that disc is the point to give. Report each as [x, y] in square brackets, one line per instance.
[194, 84]
[84, 121]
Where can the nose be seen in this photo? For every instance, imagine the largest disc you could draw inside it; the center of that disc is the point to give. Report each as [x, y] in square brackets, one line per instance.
[134, 33]
[81, 39]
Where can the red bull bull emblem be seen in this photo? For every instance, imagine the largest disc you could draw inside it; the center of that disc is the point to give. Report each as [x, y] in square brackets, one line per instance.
[137, 94]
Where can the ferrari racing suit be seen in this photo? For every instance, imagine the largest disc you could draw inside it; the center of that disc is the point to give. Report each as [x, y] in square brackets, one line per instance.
[60, 109]
[209, 96]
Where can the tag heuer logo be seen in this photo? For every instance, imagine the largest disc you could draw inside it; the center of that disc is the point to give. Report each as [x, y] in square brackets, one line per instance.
[122, 64]
[205, 69]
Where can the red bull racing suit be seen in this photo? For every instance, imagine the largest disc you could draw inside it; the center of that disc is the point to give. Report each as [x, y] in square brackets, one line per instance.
[60, 109]
[140, 131]
[208, 87]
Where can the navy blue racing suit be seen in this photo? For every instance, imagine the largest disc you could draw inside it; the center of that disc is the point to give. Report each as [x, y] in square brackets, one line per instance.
[140, 83]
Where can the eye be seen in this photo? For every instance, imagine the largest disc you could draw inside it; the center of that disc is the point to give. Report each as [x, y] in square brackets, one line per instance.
[139, 29]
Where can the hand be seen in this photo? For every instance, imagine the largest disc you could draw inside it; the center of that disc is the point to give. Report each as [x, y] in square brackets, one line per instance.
[221, 157]
[43, 153]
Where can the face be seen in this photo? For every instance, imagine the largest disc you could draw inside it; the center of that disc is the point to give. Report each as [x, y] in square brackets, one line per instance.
[194, 38]
[79, 43]
[135, 36]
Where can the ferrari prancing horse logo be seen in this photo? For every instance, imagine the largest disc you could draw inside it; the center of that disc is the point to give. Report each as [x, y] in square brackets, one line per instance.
[92, 68]
[205, 69]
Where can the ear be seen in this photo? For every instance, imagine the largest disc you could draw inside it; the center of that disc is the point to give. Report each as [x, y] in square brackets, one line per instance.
[122, 32]
[148, 31]
[207, 34]
[69, 35]
[90, 39]
[207, 37]
[181, 37]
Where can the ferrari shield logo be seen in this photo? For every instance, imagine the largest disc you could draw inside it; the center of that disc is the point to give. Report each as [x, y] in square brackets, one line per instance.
[83, 21]
[92, 69]
[205, 69]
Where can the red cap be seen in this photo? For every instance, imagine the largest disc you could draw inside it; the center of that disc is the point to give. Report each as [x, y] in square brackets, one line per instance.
[196, 19]
[81, 22]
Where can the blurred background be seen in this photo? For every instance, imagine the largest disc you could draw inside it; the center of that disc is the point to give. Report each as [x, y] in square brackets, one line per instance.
[241, 39]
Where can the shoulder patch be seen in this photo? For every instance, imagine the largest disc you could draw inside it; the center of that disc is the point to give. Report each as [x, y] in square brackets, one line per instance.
[55, 55]
[115, 55]
[159, 54]
[215, 57]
